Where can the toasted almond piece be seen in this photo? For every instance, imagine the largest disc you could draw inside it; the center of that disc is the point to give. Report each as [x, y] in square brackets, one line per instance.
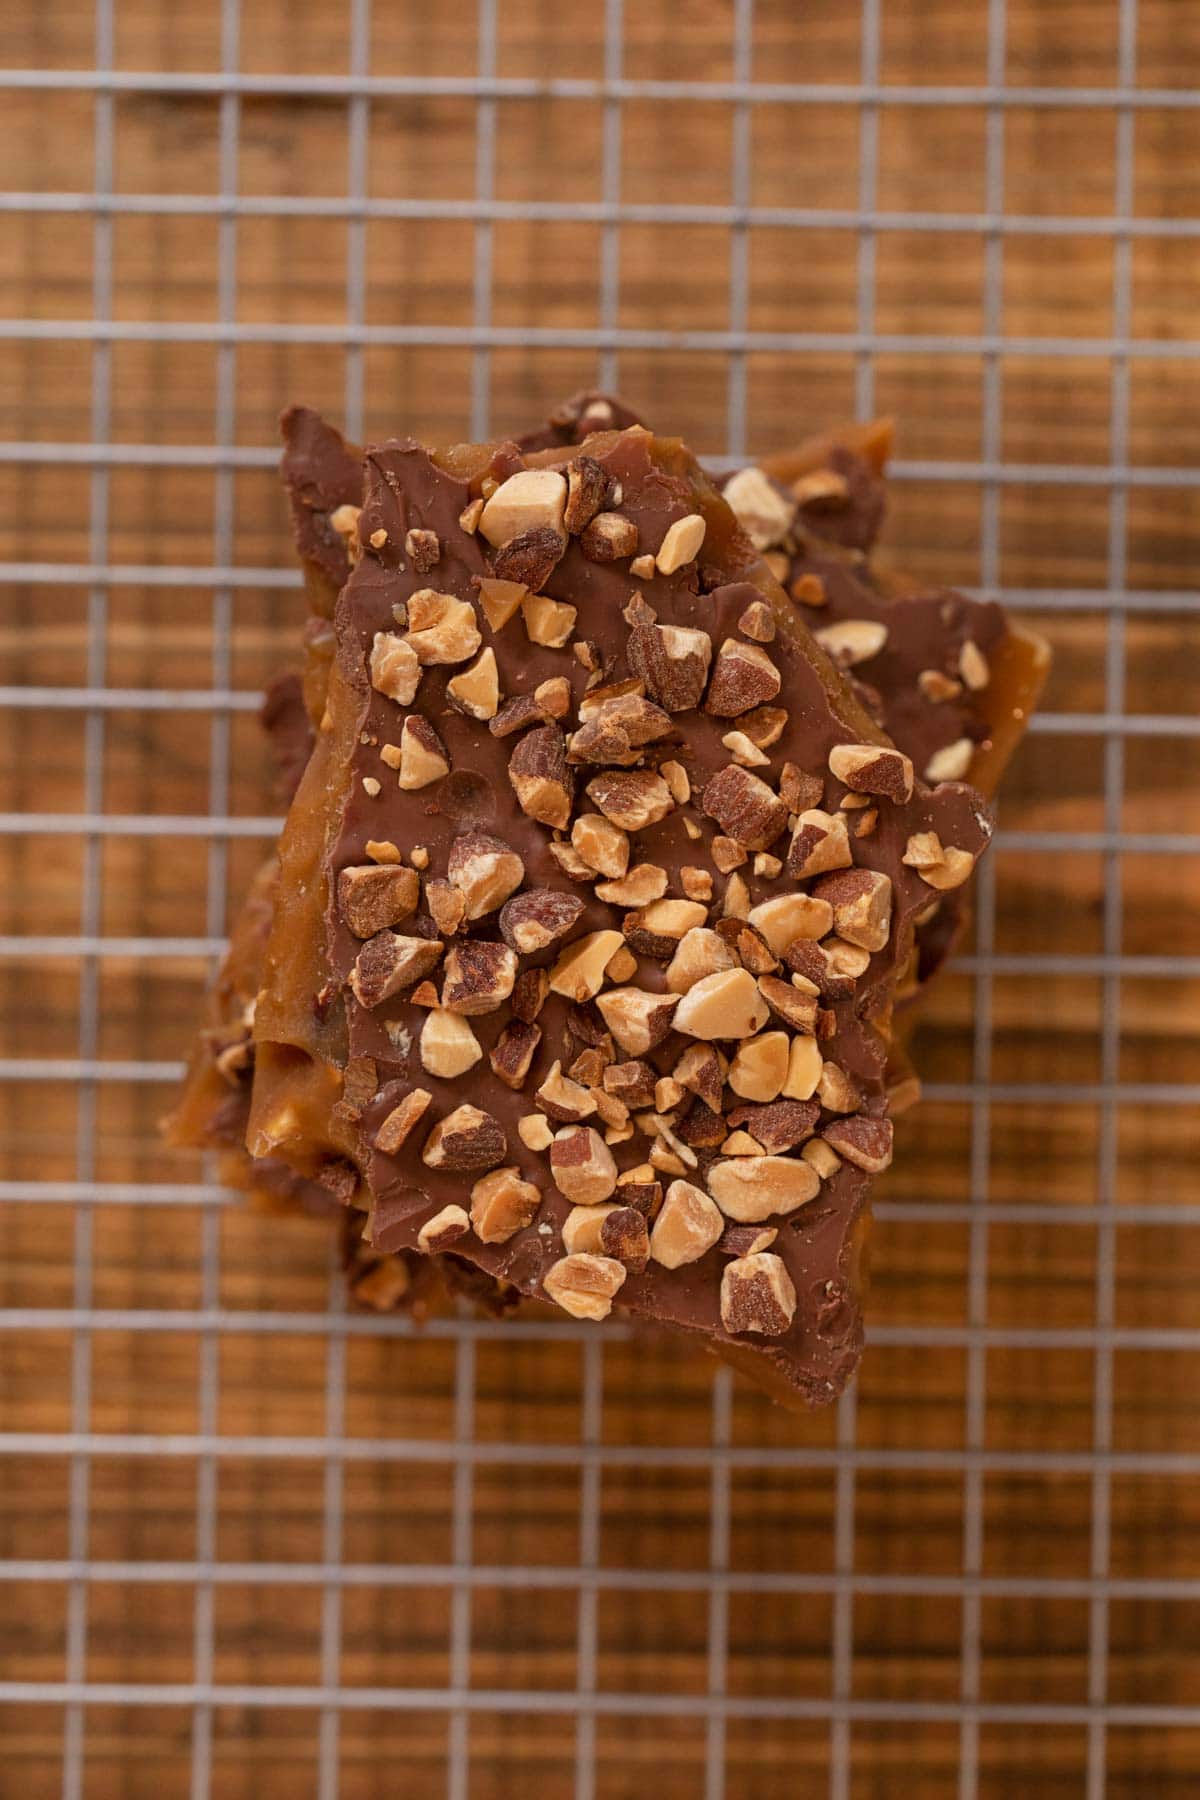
[973, 666]
[540, 777]
[765, 513]
[622, 967]
[395, 670]
[616, 734]
[688, 1225]
[740, 1143]
[597, 698]
[423, 548]
[760, 1066]
[390, 1135]
[581, 1228]
[728, 854]
[423, 756]
[448, 1045]
[445, 1228]
[804, 1069]
[745, 807]
[582, 1166]
[954, 868]
[757, 1295]
[656, 929]
[837, 1091]
[743, 678]
[726, 1005]
[608, 537]
[865, 1142]
[389, 962]
[479, 976]
[681, 543]
[500, 600]
[466, 1139]
[938, 687]
[696, 883]
[822, 1157]
[372, 897]
[631, 798]
[819, 843]
[821, 486]
[743, 752]
[758, 623]
[584, 1285]
[477, 689]
[382, 850]
[564, 1100]
[862, 905]
[554, 696]
[736, 903]
[667, 1161]
[534, 1132]
[764, 726]
[624, 1235]
[751, 1189]
[468, 518]
[603, 846]
[531, 557]
[548, 622]
[792, 1004]
[873, 769]
[667, 1093]
[511, 1056]
[637, 1020]
[502, 1204]
[644, 883]
[845, 959]
[587, 486]
[484, 870]
[676, 778]
[441, 628]
[852, 641]
[570, 861]
[923, 850]
[790, 916]
[643, 567]
[527, 501]
[673, 661]
[701, 952]
[344, 520]
[749, 946]
[950, 763]
[746, 1240]
[579, 972]
[809, 590]
[632, 1082]
[447, 908]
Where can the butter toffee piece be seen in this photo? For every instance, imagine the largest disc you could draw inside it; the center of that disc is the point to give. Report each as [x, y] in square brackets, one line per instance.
[589, 1008]
[324, 477]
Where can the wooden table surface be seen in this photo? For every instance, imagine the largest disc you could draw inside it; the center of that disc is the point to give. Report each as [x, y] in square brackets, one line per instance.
[977, 1523]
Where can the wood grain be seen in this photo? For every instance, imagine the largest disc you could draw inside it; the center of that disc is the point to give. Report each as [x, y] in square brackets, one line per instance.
[910, 1520]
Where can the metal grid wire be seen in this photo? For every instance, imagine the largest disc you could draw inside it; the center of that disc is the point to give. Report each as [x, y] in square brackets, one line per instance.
[337, 1573]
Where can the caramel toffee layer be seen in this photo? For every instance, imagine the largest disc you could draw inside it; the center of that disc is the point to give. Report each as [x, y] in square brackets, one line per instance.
[621, 881]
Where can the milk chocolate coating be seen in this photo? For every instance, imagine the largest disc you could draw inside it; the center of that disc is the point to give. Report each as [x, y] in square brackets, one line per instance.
[406, 488]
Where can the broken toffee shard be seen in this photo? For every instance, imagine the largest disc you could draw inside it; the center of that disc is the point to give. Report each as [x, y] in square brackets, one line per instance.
[445, 1061]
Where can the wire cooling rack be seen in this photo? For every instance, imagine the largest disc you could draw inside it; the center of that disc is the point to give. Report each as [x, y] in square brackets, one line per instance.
[258, 1543]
